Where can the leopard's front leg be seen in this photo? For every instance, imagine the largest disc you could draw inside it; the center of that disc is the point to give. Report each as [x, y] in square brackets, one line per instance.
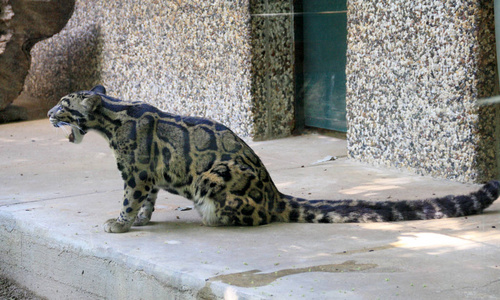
[147, 209]
[134, 196]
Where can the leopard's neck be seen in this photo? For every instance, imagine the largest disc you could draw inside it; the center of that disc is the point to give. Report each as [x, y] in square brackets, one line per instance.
[113, 113]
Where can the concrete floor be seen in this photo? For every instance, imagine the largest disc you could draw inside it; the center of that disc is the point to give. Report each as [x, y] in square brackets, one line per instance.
[55, 196]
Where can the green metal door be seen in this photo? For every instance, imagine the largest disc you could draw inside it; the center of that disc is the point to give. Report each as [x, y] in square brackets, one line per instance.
[321, 36]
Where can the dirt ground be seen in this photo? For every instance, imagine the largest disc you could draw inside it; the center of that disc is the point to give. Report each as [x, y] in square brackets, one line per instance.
[10, 290]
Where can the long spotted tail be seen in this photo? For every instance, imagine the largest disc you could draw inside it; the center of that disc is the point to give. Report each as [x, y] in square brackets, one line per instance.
[293, 209]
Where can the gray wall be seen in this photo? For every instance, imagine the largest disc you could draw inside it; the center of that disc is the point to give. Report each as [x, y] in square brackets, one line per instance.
[273, 87]
[415, 70]
[187, 57]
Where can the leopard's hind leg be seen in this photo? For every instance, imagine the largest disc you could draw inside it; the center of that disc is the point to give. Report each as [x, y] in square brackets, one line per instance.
[226, 195]
[210, 195]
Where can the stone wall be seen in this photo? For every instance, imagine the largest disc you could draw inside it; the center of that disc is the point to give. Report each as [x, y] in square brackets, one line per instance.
[273, 89]
[187, 57]
[415, 70]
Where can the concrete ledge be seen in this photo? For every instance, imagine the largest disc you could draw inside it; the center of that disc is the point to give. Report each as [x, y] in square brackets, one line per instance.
[55, 196]
[69, 268]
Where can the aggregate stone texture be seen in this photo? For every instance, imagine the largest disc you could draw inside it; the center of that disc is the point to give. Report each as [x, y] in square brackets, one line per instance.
[22, 24]
[273, 88]
[415, 70]
[186, 57]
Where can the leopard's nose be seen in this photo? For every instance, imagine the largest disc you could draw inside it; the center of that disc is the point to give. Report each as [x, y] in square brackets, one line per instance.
[52, 111]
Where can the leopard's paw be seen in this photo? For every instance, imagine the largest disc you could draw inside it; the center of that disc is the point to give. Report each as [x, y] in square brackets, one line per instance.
[113, 226]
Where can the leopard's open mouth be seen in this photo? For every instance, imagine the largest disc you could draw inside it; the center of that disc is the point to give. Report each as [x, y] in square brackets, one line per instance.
[76, 134]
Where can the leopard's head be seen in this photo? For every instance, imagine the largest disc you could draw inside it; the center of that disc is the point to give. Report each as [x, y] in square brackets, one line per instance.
[77, 111]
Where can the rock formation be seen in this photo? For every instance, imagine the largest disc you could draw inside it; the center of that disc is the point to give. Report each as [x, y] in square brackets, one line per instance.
[22, 24]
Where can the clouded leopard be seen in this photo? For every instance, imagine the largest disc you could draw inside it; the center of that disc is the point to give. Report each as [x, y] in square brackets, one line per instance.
[207, 163]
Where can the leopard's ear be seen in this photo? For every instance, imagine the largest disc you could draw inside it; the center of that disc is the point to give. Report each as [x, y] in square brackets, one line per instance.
[91, 103]
[99, 89]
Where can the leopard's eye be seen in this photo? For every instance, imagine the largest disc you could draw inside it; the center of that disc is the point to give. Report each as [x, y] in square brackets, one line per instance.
[64, 104]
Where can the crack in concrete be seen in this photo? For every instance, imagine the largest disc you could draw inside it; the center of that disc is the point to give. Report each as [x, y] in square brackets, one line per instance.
[471, 287]
[369, 249]
[57, 197]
